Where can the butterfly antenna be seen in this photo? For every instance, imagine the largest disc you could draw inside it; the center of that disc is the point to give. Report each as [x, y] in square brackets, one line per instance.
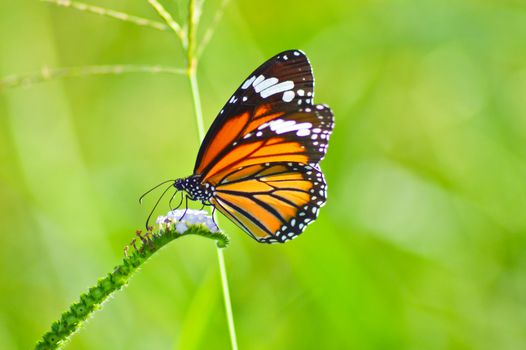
[153, 188]
[155, 206]
[171, 199]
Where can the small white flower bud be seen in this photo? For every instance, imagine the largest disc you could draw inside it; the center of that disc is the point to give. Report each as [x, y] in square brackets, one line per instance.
[183, 219]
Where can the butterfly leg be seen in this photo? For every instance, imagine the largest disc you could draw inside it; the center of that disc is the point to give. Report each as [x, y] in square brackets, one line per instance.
[178, 205]
[213, 216]
[186, 209]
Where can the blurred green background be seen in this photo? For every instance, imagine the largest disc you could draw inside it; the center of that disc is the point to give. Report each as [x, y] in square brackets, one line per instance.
[420, 246]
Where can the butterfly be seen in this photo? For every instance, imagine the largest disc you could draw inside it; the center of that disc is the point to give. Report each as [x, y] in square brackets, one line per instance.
[259, 161]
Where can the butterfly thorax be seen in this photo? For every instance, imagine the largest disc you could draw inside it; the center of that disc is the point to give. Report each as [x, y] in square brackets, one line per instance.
[195, 188]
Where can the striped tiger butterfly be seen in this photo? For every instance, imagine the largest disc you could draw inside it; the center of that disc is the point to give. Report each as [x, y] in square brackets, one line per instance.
[259, 162]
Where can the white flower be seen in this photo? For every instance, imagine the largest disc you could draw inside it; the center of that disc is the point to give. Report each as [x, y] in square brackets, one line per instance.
[211, 224]
[183, 219]
[181, 227]
[161, 220]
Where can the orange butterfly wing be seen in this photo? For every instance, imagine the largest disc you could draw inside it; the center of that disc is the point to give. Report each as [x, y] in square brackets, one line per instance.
[271, 202]
[299, 137]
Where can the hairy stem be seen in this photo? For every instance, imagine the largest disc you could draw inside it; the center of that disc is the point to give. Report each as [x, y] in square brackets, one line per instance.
[92, 300]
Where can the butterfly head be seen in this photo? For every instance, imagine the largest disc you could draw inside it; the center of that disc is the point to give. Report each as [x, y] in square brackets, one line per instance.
[179, 184]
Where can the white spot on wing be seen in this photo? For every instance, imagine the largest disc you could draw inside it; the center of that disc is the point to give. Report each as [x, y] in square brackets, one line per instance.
[303, 132]
[248, 82]
[265, 84]
[274, 89]
[258, 80]
[288, 96]
[263, 126]
[281, 126]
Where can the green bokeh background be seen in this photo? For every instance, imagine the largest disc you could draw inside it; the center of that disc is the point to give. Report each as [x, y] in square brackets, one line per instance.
[420, 246]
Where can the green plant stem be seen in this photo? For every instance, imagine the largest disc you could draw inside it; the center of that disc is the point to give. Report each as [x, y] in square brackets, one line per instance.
[46, 74]
[89, 302]
[197, 104]
[226, 297]
[220, 257]
[101, 11]
[193, 19]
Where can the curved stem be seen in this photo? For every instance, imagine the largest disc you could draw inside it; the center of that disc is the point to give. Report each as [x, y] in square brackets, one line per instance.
[78, 312]
[92, 300]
